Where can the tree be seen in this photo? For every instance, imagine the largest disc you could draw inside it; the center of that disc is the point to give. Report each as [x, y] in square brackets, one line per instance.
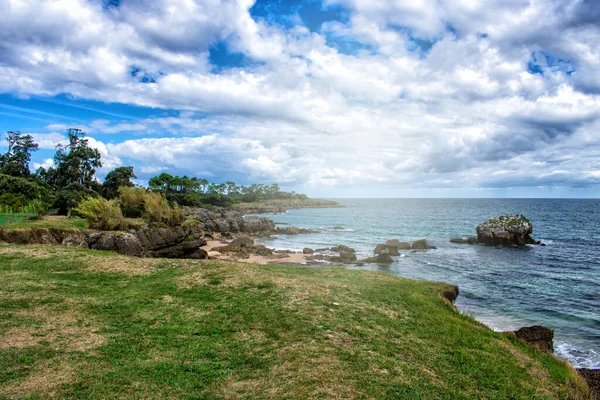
[76, 162]
[15, 162]
[118, 177]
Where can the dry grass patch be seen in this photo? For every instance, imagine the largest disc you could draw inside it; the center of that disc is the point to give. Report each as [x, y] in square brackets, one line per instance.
[46, 378]
[60, 329]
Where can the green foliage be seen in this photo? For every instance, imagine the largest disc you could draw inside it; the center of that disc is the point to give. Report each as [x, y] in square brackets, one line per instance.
[115, 179]
[76, 162]
[197, 192]
[70, 196]
[158, 209]
[22, 195]
[15, 161]
[101, 213]
[132, 201]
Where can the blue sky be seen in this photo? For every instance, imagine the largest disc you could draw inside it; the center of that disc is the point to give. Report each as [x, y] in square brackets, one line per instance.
[335, 98]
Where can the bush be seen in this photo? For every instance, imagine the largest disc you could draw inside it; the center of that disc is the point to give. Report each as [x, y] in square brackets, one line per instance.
[17, 192]
[132, 201]
[70, 196]
[158, 209]
[101, 214]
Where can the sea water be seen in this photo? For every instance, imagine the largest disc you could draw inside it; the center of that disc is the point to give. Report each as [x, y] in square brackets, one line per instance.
[557, 286]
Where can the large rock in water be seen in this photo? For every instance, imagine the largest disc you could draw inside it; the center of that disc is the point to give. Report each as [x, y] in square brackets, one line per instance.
[505, 230]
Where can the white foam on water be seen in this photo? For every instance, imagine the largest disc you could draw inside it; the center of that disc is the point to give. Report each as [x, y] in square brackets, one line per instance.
[578, 357]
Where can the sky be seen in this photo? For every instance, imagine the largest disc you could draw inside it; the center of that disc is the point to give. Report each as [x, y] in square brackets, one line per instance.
[333, 98]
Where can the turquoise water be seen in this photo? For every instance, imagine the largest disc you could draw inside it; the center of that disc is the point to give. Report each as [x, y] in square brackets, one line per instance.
[557, 286]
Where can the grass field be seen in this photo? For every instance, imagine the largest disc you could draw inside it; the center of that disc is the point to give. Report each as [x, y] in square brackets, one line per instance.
[12, 218]
[77, 323]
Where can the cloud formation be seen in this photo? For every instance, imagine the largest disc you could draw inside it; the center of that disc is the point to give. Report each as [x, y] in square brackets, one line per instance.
[425, 94]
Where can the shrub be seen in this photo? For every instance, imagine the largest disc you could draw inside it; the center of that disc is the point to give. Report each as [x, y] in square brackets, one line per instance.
[17, 192]
[158, 209]
[101, 214]
[132, 201]
[70, 196]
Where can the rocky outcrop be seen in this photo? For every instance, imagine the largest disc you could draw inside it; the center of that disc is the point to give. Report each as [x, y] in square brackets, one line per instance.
[307, 250]
[451, 293]
[506, 230]
[120, 242]
[537, 336]
[347, 255]
[464, 240]
[391, 247]
[398, 244]
[229, 221]
[422, 244]
[386, 249]
[592, 378]
[182, 241]
[292, 230]
[35, 235]
[379, 259]
[243, 247]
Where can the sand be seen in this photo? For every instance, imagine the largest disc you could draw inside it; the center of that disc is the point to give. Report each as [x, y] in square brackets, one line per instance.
[277, 258]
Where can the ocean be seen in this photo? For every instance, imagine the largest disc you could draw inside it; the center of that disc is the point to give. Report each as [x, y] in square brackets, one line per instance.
[557, 286]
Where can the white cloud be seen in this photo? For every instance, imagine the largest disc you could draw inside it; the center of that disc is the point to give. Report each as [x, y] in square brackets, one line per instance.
[453, 112]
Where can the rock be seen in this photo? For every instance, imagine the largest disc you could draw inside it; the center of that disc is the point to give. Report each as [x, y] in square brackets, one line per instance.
[347, 254]
[307, 250]
[343, 249]
[120, 242]
[422, 244]
[338, 228]
[505, 230]
[386, 249]
[241, 247]
[467, 240]
[538, 337]
[261, 250]
[292, 230]
[379, 259]
[451, 293]
[592, 378]
[398, 244]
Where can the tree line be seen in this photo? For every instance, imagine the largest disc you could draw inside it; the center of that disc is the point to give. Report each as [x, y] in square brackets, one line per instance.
[72, 178]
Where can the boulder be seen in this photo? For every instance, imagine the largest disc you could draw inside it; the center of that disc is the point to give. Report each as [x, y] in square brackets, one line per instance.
[307, 250]
[386, 249]
[343, 249]
[398, 244]
[422, 244]
[379, 259]
[466, 240]
[120, 242]
[261, 250]
[505, 230]
[538, 337]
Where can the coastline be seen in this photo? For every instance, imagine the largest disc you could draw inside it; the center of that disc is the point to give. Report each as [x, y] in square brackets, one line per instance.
[279, 257]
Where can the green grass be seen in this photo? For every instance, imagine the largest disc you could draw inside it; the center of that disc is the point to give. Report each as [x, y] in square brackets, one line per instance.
[77, 323]
[9, 218]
